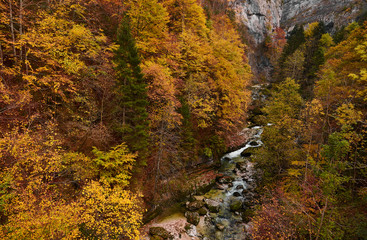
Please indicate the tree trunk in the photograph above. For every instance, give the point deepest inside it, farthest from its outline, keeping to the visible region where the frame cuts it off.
(21, 27)
(1, 57)
(322, 219)
(12, 27)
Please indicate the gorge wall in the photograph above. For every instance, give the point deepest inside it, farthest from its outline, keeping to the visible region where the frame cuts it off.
(261, 16)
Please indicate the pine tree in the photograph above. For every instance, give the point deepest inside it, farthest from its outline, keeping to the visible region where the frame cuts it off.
(295, 40)
(132, 93)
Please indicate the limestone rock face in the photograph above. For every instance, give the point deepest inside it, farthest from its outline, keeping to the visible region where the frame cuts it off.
(258, 15)
(261, 16)
(334, 14)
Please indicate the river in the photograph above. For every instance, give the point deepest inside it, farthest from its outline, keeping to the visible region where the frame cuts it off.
(221, 213)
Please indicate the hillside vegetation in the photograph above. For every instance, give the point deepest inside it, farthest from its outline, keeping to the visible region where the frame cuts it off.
(101, 102)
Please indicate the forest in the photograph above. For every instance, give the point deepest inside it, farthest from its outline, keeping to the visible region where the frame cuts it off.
(106, 107)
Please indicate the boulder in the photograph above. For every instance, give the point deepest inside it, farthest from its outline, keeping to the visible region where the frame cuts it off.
(192, 217)
(219, 226)
(193, 206)
(159, 233)
(212, 205)
(225, 179)
(242, 166)
(237, 194)
(246, 154)
(235, 205)
(222, 225)
(202, 211)
(253, 143)
(199, 198)
(155, 237)
(221, 187)
(227, 159)
(240, 187)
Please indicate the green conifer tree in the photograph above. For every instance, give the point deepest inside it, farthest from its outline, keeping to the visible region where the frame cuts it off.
(132, 94)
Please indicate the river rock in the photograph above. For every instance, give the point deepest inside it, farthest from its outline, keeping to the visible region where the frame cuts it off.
(235, 205)
(193, 206)
(240, 187)
(242, 166)
(222, 225)
(202, 211)
(219, 226)
(192, 217)
(237, 194)
(253, 143)
(221, 186)
(246, 154)
(158, 233)
(225, 179)
(218, 235)
(212, 205)
(199, 198)
(245, 192)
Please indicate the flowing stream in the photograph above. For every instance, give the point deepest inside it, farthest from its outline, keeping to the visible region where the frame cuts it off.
(233, 193)
(223, 212)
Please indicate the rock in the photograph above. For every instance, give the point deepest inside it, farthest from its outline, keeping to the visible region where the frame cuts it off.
(158, 233)
(245, 192)
(213, 216)
(202, 211)
(221, 187)
(240, 187)
(192, 198)
(155, 237)
(193, 206)
(199, 198)
(219, 226)
(192, 217)
(235, 205)
(187, 226)
(227, 159)
(253, 143)
(212, 205)
(246, 153)
(237, 194)
(225, 179)
(242, 166)
(223, 224)
(218, 235)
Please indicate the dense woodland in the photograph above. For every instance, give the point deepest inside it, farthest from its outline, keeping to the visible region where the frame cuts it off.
(314, 159)
(105, 104)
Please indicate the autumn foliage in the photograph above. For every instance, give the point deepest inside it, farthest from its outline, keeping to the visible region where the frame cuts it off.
(103, 100)
(314, 151)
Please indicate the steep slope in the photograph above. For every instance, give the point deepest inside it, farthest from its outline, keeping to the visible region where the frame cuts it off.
(334, 14)
(261, 17)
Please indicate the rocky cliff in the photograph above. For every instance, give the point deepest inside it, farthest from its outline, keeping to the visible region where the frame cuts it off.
(334, 13)
(262, 16)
